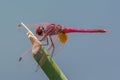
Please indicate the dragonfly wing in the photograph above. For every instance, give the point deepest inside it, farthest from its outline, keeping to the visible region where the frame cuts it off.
(37, 25)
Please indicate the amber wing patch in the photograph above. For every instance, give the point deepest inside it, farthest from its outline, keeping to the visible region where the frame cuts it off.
(62, 37)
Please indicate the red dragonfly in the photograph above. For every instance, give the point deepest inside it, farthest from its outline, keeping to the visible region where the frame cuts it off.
(55, 34)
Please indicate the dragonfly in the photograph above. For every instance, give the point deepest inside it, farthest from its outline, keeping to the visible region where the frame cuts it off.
(51, 34)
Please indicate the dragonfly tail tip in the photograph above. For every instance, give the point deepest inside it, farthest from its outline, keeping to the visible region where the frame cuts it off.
(106, 30)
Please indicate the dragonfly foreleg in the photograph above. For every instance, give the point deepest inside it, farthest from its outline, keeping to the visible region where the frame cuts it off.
(46, 42)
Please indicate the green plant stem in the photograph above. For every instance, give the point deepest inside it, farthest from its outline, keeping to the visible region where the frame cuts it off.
(42, 57)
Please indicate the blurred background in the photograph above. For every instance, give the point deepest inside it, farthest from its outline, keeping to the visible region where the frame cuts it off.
(84, 56)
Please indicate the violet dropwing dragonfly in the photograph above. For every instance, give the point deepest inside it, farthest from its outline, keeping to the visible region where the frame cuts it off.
(52, 34)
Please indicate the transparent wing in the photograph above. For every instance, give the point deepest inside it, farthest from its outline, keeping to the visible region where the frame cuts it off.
(33, 27)
(38, 24)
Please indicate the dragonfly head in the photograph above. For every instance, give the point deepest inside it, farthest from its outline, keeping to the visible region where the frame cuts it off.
(40, 31)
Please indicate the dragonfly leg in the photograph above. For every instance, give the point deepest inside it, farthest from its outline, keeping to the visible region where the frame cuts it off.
(52, 45)
(47, 42)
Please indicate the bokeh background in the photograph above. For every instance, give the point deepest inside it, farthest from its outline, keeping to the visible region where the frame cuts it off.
(84, 57)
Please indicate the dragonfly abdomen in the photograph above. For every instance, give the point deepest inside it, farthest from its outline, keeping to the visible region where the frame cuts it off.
(71, 30)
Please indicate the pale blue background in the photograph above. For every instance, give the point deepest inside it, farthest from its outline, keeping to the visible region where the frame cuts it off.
(84, 57)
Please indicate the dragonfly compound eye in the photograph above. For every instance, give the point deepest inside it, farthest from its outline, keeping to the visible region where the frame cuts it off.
(39, 31)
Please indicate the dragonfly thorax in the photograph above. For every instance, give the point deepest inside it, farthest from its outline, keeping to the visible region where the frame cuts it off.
(51, 29)
(54, 29)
